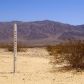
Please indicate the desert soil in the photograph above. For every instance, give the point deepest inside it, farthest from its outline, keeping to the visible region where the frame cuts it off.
(33, 67)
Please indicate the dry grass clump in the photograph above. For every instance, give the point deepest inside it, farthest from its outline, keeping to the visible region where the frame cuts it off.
(71, 52)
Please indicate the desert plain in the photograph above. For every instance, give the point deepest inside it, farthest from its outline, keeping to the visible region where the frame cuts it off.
(33, 67)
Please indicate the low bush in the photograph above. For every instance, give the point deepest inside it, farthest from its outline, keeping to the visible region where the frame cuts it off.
(11, 49)
(70, 52)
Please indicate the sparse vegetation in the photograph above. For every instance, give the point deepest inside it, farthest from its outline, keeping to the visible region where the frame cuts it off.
(19, 48)
(11, 49)
(71, 52)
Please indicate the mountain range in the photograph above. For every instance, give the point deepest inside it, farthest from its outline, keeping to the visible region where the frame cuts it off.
(40, 33)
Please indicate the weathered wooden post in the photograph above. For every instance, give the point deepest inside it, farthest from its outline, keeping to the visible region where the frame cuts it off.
(15, 48)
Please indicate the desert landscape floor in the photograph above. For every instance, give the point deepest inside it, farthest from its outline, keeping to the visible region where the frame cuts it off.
(33, 67)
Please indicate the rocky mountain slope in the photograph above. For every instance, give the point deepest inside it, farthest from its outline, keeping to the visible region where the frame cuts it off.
(39, 33)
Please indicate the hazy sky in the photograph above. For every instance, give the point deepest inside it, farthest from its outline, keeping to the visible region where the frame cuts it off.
(66, 11)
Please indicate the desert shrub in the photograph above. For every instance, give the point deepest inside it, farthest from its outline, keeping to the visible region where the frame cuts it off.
(70, 52)
(11, 49)
(20, 47)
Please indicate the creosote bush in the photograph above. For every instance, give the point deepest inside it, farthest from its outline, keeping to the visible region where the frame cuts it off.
(71, 52)
(11, 49)
(20, 47)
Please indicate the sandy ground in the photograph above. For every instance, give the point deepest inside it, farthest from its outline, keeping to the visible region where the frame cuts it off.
(33, 67)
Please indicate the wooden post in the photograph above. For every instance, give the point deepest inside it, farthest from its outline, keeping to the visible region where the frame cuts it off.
(15, 48)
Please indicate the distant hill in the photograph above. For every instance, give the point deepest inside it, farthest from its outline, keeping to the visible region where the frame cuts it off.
(40, 33)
